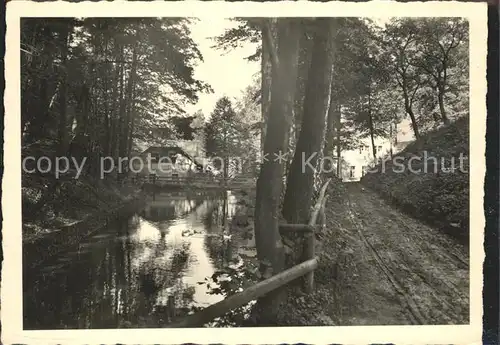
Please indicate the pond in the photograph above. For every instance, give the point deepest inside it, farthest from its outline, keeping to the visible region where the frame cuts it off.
(141, 271)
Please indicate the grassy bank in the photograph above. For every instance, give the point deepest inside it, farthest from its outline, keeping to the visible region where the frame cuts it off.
(50, 204)
(435, 196)
(59, 213)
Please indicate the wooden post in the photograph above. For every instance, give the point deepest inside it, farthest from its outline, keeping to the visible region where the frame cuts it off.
(250, 294)
(171, 307)
(309, 240)
(304, 228)
(308, 255)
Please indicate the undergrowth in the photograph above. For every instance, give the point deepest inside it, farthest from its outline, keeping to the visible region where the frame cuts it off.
(50, 201)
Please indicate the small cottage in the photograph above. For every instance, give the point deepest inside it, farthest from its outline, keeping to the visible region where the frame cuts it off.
(166, 161)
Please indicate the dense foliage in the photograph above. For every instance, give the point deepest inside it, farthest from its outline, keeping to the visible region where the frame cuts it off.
(102, 83)
(93, 87)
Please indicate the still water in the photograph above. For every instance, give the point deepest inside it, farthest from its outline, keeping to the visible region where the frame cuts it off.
(141, 271)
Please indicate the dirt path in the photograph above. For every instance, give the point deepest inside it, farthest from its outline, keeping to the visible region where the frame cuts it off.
(393, 269)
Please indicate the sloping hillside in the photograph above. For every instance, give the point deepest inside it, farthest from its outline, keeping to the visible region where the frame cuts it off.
(430, 178)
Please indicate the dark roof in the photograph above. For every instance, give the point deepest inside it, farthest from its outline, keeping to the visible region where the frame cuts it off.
(402, 144)
(171, 150)
(165, 150)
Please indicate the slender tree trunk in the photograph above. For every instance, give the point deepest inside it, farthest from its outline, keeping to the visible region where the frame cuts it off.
(413, 123)
(106, 137)
(330, 126)
(339, 141)
(116, 105)
(372, 130)
(409, 111)
(442, 109)
(395, 133)
(129, 104)
(435, 116)
(132, 125)
(300, 184)
(391, 138)
(121, 116)
(63, 137)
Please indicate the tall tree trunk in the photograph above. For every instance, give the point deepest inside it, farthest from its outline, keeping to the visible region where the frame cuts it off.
(63, 124)
(132, 123)
(116, 104)
(265, 90)
(300, 184)
(128, 107)
(39, 110)
(270, 249)
(291, 64)
(266, 76)
(121, 115)
(291, 51)
(106, 137)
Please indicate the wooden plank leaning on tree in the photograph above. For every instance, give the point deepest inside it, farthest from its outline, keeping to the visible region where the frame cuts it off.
(250, 294)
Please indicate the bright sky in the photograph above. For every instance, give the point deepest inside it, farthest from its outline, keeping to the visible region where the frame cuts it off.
(227, 73)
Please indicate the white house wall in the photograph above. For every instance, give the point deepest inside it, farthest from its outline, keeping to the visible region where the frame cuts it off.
(360, 158)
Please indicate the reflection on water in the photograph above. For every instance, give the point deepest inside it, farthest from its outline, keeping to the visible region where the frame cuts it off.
(141, 271)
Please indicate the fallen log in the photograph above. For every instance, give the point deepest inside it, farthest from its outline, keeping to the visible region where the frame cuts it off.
(242, 298)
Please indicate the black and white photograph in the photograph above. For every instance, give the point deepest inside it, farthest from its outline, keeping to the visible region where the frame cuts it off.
(247, 167)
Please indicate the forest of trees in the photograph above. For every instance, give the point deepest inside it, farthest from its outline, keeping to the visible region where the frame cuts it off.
(94, 87)
(326, 83)
(99, 85)
(414, 69)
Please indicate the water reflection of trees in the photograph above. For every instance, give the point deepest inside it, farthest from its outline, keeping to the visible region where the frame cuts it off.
(106, 284)
(220, 249)
(165, 209)
(102, 288)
